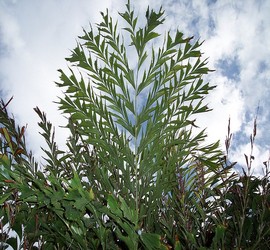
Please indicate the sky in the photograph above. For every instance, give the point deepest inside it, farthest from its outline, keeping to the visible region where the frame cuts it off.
(37, 36)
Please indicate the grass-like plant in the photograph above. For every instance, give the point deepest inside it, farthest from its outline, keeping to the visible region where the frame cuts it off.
(246, 204)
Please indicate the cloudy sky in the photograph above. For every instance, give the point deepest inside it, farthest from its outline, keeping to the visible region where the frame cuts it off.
(36, 36)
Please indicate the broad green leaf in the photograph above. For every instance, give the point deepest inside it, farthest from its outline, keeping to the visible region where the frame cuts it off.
(13, 242)
(150, 240)
(4, 197)
(177, 245)
(128, 212)
(72, 195)
(4, 159)
(72, 214)
(80, 203)
(91, 194)
(219, 233)
(114, 206)
(75, 182)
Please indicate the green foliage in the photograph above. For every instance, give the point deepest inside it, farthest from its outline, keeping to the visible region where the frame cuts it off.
(137, 173)
(247, 213)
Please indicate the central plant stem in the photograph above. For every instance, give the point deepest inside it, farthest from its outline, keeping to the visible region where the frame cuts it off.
(136, 160)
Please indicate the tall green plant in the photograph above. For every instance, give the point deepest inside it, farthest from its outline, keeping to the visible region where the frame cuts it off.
(139, 119)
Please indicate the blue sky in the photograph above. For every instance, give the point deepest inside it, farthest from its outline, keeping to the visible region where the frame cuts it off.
(36, 36)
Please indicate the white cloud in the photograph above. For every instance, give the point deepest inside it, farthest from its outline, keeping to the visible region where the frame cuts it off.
(240, 34)
(227, 102)
(36, 37)
(10, 33)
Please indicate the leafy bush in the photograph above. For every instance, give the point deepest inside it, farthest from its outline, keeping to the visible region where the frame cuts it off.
(137, 173)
